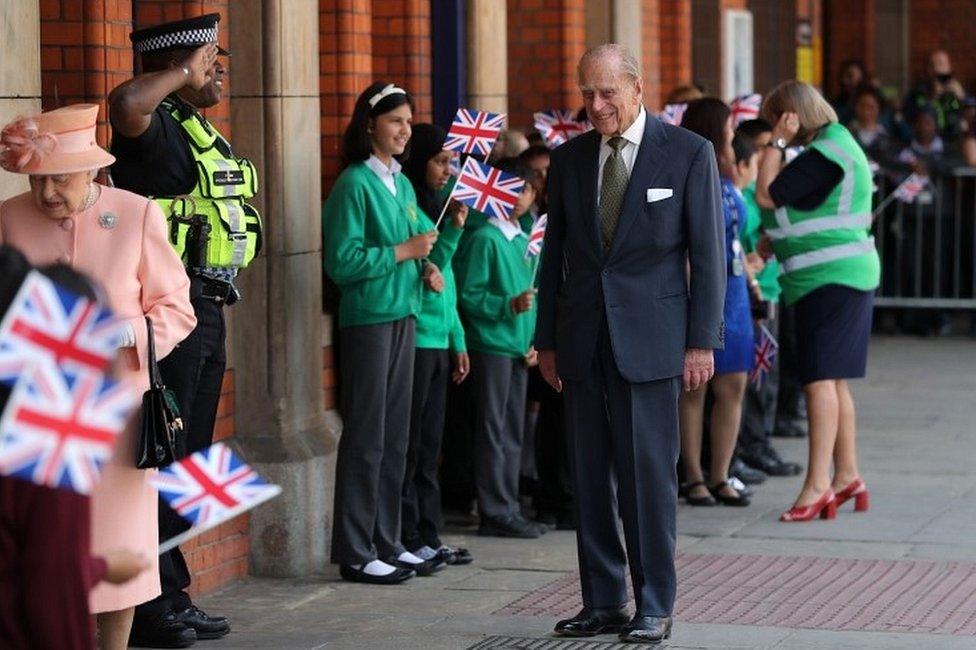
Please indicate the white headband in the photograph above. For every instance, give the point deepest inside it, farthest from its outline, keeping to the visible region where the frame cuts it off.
(391, 89)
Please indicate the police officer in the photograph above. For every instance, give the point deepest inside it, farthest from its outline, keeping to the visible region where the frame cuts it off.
(166, 149)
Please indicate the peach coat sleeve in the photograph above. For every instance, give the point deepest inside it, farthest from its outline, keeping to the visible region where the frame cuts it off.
(165, 290)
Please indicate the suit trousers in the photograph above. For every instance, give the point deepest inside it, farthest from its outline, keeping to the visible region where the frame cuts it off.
(499, 385)
(377, 376)
(625, 444)
(759, 405)
(421, 508)
(194, 371)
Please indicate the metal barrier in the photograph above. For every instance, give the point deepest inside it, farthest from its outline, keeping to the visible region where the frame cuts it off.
(927, 247)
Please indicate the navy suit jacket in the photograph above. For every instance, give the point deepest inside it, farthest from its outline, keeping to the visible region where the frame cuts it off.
(654, 310)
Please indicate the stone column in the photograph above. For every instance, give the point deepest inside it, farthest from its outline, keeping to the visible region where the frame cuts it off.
(487, 55)
(277, 334)
(20, 75)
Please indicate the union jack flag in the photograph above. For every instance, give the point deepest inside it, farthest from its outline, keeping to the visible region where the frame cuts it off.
(487, 189)
(745, 107)
(474, 131)
(558, 127)
(765, 352)
(211, 486)
(454, 165)
(48, 324)
(60, 428)
(536, 236)
(672, 114)
(911, 187)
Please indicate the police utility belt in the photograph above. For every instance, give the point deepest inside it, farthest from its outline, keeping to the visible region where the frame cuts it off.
(213, 226)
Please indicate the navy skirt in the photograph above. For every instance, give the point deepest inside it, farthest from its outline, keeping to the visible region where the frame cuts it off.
(833, 327)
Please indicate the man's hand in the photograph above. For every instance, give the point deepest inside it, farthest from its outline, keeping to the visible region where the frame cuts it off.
(523, 302)
(124, 565)
(699, 368)
(433, 278)
(200, 64)
(547, 366)
(462, 366)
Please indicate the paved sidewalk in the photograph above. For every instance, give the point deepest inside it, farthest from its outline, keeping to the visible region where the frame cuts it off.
(901, 576)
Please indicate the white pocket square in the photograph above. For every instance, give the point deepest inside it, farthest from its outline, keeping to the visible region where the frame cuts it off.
(659, 194)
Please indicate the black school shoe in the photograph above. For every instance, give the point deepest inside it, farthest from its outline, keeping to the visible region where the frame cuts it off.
(425, 568)
(164, 631)
(352, 574)
(206, 627)
(455, 556)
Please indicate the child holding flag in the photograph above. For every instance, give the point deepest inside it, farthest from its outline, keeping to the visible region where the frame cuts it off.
(495, 276)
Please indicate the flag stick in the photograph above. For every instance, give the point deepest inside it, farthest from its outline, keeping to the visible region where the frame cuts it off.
(443, 210)
(888, 199)
(535, 271)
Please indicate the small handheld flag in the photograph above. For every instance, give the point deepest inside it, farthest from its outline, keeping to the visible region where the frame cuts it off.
(48, 324)
(911, 187)
(558, 127)
(765, 352)
(536, 236)
(487, 189)
(59, 429)
(673, 113)
(745, 107)
(208, 488)
(474, 132)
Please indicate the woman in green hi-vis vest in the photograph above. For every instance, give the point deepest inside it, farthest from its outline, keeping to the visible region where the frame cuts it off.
(819, 227)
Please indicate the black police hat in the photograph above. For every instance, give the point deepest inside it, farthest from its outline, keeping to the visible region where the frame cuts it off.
(178, 35)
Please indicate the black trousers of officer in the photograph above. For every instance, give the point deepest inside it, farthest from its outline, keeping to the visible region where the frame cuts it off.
(421, 508)
(625, 444)
(759, 405)
(194, 371)
(377, 376)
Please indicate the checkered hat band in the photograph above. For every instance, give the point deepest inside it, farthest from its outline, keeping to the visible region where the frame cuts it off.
(186, 38)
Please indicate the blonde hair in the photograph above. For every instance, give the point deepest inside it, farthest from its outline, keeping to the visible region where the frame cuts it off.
(629, 66)
(803, 99)
(683, 95)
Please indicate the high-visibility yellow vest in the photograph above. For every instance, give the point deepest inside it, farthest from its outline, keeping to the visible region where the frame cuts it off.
(213, 226)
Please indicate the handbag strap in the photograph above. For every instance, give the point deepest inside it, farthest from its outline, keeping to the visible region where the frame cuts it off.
(155, 380)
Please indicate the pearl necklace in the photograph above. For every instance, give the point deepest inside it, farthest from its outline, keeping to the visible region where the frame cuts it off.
(93, 194)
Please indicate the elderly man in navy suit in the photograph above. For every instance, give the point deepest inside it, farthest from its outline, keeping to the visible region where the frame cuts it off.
(630, 309)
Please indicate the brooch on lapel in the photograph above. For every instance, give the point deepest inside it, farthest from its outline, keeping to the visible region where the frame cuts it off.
(107, 220)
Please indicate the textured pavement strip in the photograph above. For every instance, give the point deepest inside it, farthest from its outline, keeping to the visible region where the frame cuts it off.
(908, 564)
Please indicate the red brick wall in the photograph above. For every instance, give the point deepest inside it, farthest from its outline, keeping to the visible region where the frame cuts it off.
(652, 46)
(851, 31)
(675, 45)
(545, 41)
(401, 49)
(948, 25)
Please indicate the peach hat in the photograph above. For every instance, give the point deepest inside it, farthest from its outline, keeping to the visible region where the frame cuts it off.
(61, 141)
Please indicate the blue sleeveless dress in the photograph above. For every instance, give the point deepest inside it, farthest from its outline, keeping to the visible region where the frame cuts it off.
(738, 355)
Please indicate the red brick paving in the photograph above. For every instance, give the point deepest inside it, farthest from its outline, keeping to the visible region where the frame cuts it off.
(803, 592)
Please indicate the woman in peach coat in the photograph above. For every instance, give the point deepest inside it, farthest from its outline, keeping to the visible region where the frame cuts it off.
(119, 240)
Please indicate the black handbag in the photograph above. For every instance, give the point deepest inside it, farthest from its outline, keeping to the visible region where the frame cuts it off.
(161, 425)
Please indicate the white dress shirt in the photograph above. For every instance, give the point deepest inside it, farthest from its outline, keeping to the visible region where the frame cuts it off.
(633, 135)
(386, 174)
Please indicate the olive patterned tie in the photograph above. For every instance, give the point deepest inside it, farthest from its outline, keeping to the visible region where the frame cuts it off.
(612, 189)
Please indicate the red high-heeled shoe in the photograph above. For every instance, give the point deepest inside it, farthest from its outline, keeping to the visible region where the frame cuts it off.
(856, 490)
(825, 506)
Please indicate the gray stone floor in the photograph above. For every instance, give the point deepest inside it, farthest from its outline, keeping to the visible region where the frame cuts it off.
(917, 418)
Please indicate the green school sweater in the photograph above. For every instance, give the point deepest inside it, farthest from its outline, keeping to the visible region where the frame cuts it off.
(439, 325)
(491, 271)
(362, 222)
(768, 278)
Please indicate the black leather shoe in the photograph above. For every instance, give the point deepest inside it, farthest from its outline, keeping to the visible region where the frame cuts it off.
(769, 462)
(425, 568)
(164, 631)
(746, 474)
(457, 556)
(508, 528)
(592, 621)
(647, 629)
(352, 574)
(206, 627)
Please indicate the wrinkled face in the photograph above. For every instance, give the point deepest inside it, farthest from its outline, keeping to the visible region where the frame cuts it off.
(612, 99)
(212, 92)
(61, 195)
(439, 170)
(390, 132)
(866, 109)
(540, 173)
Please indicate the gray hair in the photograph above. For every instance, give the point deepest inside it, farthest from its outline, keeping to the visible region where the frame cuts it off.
(626, 59)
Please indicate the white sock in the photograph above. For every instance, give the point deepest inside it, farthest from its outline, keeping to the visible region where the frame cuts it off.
(409, 558)
(377, 568)
(426, 553)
